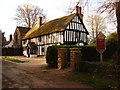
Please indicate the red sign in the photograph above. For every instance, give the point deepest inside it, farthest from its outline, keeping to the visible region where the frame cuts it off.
(100, 44)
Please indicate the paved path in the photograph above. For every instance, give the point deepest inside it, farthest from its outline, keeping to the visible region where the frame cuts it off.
(35, 74)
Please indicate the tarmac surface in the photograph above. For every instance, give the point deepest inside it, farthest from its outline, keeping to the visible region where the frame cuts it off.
(34, 73)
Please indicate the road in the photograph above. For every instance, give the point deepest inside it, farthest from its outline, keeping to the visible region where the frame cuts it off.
(31, 75)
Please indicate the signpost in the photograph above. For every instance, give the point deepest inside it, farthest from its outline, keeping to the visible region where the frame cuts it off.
(100, 45)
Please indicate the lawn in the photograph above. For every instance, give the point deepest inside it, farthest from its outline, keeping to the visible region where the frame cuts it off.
(13, 60)
(102, 78)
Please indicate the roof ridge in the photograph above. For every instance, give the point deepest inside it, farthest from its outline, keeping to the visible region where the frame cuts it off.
(55, 25)
(58, 18)
(62, 17)
(22, 27)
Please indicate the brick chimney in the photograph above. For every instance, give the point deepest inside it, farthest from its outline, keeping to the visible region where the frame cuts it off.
(39, 22)
(79, 11)
(10, 37)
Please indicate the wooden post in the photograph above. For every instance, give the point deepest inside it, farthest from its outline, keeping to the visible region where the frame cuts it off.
(101, 58)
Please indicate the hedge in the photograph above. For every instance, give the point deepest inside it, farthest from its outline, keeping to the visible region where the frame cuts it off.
(12, 51)
(51, 56)
(111, 48)
(88, 52)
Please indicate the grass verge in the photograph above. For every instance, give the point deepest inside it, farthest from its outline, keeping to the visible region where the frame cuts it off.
(13, 60)
(45, 71)
(98, 81)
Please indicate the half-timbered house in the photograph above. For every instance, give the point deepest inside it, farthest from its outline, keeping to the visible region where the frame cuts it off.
(68, 30)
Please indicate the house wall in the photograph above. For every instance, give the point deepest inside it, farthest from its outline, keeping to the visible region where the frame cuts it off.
(4, 41)
(43, 42)
(17, 39)
(75, 33)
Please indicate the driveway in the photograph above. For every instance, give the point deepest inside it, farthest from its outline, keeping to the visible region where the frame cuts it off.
(34, 73)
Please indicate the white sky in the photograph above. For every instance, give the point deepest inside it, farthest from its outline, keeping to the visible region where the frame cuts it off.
(53, 9)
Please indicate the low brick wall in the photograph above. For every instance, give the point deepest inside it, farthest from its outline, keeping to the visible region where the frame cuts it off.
(62, 58)
(74, 58)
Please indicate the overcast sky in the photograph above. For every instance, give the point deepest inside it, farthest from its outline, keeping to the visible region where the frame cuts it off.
(52, 8)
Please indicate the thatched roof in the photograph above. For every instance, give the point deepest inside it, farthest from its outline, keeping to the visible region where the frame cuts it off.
(56, 25)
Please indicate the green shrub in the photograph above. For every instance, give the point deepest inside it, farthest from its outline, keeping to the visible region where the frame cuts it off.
(113, 35)
(111, 48)
(85, 66)
(89, 53)
(51, 56)
(95, 67)
(12, 51)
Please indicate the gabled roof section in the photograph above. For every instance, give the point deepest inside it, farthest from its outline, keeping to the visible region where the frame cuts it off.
(23, 30)
(56, 25)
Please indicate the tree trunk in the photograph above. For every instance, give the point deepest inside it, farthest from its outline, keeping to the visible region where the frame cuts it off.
(118, 29)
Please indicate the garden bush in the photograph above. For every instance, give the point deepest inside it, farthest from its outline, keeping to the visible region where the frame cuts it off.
(111, 48)
(51, 56)
(95, 67)
(89, 52)
(12, 51)
(85, 66)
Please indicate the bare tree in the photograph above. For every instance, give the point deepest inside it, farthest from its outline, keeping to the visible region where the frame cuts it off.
(113, 7)
(27, 15)
(74, 3)
(96, 24)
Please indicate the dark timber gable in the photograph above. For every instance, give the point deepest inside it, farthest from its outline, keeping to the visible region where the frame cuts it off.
(75, 32)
